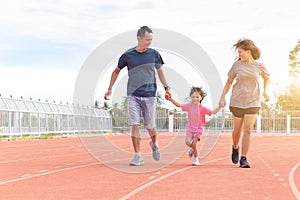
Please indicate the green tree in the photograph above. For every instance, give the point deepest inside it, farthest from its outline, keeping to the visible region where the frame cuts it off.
(115, 105)
(290, 99)
(104, 106)
(294, 62)
(97, 104)
(124, 103)
(159, 99)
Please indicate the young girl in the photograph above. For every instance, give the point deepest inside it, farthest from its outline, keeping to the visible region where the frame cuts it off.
(196, 119)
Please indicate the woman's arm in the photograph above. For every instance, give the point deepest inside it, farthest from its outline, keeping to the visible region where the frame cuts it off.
(266, 87)
(227, 86)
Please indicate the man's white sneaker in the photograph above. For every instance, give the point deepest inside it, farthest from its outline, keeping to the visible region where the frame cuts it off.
(137, 161)
(155, 151)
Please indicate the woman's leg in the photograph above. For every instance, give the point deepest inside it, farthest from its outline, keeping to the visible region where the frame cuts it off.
(236, 135)
(249, 121)
(237, 130)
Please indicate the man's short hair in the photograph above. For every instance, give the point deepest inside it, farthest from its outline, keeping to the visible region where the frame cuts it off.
(141, 32)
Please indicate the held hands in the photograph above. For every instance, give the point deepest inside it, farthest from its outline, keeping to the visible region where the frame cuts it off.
(168, 95)
(222, 103)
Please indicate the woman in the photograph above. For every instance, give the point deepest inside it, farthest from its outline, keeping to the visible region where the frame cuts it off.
(245, 98)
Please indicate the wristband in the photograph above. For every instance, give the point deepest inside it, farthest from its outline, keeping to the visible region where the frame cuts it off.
(167, 88)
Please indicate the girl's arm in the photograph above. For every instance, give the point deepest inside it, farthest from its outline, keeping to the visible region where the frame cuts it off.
(216, 110)
(175, 102)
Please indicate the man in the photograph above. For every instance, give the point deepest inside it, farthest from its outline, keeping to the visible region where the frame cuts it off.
(141, 62)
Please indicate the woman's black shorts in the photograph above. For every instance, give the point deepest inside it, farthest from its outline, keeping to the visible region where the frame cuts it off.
(240, 112)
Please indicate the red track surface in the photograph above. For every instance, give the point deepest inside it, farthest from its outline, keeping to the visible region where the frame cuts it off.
(64, 169)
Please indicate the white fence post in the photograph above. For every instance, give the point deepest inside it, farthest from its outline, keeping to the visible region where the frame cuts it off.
(288, 123)
(171, 122)
(258, 124)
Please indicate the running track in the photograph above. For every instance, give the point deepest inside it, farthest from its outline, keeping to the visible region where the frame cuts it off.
(64, 169)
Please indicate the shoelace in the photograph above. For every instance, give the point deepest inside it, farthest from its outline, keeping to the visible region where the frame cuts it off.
(154, 148)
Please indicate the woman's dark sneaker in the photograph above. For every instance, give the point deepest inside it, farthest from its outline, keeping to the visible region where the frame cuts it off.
(244, 163)
(235, 155)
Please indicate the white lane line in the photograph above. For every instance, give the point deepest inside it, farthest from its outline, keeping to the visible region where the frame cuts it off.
(36, 158)
(25, 175)
(142, 187)
(276, 174)
(43, 170)
(69, 164)
(47, 173)
(292, 181)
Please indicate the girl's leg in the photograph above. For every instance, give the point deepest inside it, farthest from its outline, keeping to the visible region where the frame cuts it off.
(188, 141)
(194, 147)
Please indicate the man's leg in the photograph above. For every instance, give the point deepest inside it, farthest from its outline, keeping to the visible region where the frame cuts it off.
(136, 138)
(133, 121)
(152, 133)
(154, 145)
(136, 141)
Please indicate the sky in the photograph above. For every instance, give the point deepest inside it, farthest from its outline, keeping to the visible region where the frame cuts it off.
(43, 44)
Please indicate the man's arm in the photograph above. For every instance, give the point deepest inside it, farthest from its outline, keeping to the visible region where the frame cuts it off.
(113, 79)
(163, 80)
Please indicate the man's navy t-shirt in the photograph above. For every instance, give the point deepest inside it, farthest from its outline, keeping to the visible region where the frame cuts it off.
(141, 71)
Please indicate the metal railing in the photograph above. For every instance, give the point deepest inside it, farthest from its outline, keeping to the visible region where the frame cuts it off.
(22, 117)
(267, 121)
